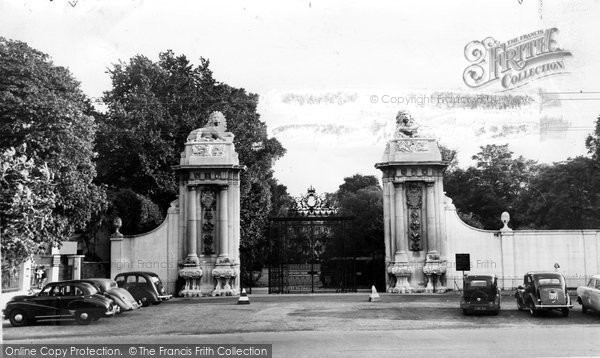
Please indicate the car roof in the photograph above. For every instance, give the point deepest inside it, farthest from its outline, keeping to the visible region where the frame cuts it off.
(69, 282)
(72, 282)
(97, 279)
(137, 273)
(544, 273)
(480, 275)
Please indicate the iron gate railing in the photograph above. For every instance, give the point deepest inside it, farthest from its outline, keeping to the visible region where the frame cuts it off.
(309, 252)
(311, 256)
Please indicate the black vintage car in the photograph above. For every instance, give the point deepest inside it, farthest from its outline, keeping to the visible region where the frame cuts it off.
(480, 294)
(145, 287)
(59, 300)
(543, 291)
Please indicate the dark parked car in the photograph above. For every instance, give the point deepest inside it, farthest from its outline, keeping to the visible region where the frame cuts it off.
(59, 300)
(480, 294)
(145, 287)
(109, 288)
(543, 291)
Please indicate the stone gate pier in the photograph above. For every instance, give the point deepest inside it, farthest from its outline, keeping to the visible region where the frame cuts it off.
(209, 190)
(413, 209)
(198, 244)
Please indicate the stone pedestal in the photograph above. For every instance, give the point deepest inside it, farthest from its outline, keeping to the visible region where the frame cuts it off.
(192, 274)
(402, 272)
(434, 270)
(224, 273)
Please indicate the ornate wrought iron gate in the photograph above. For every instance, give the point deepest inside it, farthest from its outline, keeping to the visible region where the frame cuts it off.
(309, 252)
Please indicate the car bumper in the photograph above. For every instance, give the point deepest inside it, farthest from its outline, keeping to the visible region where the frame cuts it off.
(165, 297)
(541, 306)
(479, 307)
(111, 312)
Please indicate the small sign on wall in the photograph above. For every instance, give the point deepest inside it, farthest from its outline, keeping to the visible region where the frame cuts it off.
(463, 262)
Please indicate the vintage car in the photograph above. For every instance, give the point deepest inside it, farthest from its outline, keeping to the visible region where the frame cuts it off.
(145, 287)
(480, 294)
(109, 288)
(543, 291)
(589, 296)
(59, 300)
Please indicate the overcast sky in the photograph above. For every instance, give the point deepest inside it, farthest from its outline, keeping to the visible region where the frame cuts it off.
(335, 49)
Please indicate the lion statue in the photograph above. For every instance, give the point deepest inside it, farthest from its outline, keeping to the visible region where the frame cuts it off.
(215, 130)
(405, 125)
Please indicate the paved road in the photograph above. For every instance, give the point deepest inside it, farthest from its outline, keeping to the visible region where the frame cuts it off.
(337, 325)
(572, 341)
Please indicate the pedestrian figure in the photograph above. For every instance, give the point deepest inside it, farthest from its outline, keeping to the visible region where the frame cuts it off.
(43, 276)
(38, 276)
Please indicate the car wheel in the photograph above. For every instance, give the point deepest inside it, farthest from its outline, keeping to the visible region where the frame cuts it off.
(465, 312)
(17, 318)
(565, 312)
(84, 317)
(584, 309)
(157, 302)
(519, 305)
(532, 310)
(145, 302)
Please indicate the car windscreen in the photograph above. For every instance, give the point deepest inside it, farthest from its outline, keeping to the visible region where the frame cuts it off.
(547, 280)
(478, 283)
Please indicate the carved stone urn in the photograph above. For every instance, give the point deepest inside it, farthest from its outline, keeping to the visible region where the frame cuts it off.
(224, 273)
(191, 274)
(401, 270)
(117, 223)
(433, 269)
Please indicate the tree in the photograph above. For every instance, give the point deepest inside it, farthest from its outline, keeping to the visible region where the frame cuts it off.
(138, 213)
(592, 142)
(281, 200)
(27, 200)
(449, 156)
(153, 106)
(494, 185)
(361, 197)
(563, 196)
(356, 182)
(44, 112)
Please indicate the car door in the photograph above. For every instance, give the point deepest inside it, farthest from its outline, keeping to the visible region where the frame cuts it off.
(586, 293)
(46, 302)
(529, 289)
(131, 285)
(594, 295)
(70, 293)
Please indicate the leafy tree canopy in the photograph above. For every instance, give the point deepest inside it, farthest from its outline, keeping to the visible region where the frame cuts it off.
(27, 200)
(361, 197)
(592, 142)
(492, 186)
(563, 196)
(44, 112)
